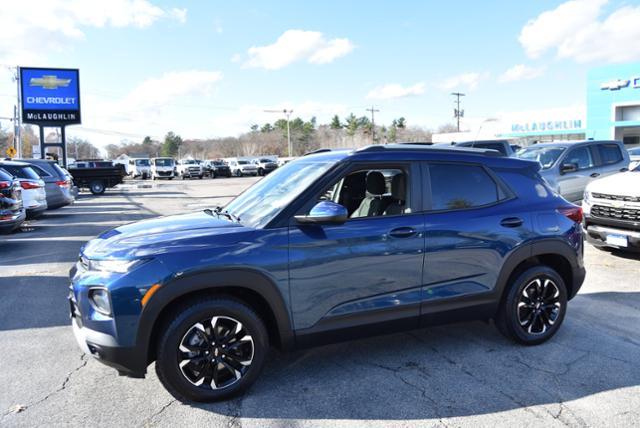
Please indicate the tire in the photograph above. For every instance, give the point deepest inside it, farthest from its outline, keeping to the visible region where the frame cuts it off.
(187, 383)
(238, 173)
(170, 178)
(97, 187)
(534, 307)
(261, 172)
(200, 177)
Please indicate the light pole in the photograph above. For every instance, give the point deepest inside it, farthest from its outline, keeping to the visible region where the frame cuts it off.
(373, 124)
(288, 114)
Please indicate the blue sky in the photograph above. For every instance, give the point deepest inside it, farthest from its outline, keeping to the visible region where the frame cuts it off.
(205, 68)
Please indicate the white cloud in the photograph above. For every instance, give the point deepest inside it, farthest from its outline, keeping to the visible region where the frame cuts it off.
(32, 29)
(465, 80)
(298, 45)
(521, 72)
(576, 30)
(395, 90)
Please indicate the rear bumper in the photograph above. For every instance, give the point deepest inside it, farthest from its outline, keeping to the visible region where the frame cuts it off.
(9, 225)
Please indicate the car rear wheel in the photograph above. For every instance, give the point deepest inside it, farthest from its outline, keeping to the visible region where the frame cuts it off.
(211, 350)
(97, 187)
(534, 307)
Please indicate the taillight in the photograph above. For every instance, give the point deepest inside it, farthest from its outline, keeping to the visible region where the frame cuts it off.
(5, 184)
(27, 185)
(63, 183)
(572, 212)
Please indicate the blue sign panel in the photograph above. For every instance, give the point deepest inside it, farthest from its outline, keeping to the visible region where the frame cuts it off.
(50, 96)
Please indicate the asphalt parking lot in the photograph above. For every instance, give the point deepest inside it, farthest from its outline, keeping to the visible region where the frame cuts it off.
(460, 375)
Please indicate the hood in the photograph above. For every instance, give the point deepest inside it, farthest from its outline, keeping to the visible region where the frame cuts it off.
(622, 184)
(161, 235)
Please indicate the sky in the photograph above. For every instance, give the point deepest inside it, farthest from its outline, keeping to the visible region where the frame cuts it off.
(210, 68)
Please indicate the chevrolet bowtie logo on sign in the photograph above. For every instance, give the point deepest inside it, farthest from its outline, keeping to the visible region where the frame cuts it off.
(50, 96)
(49, 82)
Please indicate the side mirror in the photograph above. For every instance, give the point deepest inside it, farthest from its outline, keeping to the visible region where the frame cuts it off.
(568, 167)
(324, 212)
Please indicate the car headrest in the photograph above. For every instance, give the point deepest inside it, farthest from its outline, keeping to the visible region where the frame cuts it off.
(399, 187)
(375, 183)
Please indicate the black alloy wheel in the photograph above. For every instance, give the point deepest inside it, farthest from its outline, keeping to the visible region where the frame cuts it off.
(212, 350)
(534, 307)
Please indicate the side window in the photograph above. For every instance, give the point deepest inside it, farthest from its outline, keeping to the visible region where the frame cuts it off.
(580, 156)
(372, 192)
(41, 172)
(455, 186)
(609, 153)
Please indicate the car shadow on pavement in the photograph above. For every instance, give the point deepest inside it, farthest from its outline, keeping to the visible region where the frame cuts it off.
(458, 370)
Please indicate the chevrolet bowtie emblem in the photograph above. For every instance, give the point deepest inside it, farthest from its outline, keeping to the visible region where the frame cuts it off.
(49, 82)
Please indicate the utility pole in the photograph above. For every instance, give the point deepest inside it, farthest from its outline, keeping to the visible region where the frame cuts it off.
(457, 113)
(288, 114)
(373, 123)
(18, 125)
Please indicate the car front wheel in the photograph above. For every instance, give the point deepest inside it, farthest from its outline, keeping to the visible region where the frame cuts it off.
(211, 350)
(534, 307)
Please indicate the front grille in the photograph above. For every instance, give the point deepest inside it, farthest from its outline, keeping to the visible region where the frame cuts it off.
(626, 214)
(616, 197)
(164, 172)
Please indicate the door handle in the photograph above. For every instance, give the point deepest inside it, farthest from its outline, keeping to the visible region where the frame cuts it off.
(511, 222)
(402, 232)
(595, 174)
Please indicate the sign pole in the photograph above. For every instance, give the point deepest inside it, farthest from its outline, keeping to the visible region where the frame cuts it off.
(42, 148)
(18, 125)
(64, 146)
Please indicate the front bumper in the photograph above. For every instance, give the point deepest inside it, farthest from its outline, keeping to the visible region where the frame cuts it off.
(597, 235)
(105, 349)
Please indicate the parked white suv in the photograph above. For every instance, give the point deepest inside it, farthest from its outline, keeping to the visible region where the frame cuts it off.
(611, 209)
(162, 168)
(242, 167)
(189, 168)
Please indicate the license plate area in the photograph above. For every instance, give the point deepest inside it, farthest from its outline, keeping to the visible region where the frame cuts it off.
(617, 240)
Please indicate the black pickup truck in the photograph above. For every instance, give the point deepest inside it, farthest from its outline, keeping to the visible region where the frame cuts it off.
(96, 175)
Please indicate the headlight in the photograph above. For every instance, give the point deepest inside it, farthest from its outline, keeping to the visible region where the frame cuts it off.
(99, 298)
(117, 266)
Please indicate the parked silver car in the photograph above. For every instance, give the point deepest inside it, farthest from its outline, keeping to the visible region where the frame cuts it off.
(634, 154)
(568, 166)
(58, 182)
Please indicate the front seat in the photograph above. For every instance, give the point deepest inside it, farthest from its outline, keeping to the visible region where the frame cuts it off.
(372, 205)
(398, 195)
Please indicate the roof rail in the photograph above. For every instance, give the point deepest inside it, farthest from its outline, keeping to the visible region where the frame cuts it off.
(313, 152)
(431, 149)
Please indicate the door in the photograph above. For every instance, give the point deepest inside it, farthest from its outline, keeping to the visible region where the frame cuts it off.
(472, 223)
(369, 269)
(572, 184)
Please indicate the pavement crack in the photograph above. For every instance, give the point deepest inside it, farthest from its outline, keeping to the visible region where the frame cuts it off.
(23, 408)
(235, 414)
(147, 422)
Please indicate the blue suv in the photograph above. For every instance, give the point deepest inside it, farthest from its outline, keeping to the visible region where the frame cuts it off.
(335, 245)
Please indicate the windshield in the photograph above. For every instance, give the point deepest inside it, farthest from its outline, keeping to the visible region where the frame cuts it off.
(242, 162)
(142, 162)
(547, 156)
(262, 202)
(189, 162)
(164, 162)
(218, 163)
(265, 160)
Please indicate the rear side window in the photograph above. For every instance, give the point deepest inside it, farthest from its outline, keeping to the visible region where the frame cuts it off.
(455, 186)
(41, 172)
(609, 153)
(59, 170)
(22, 172)
(5, 176)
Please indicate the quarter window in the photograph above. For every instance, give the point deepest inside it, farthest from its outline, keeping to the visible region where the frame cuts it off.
(456, 187)
(609, 153)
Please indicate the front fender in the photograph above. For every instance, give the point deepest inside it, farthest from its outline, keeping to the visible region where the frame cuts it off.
(242, 278)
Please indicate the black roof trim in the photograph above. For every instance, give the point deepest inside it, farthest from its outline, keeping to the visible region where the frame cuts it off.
(431, 149)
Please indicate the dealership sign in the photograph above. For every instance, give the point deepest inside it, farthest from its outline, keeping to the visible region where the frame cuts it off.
(550, 125)
(617, 84)
(50, 96)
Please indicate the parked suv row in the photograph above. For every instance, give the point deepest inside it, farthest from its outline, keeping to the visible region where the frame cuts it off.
(331, 246)
(12, 213)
